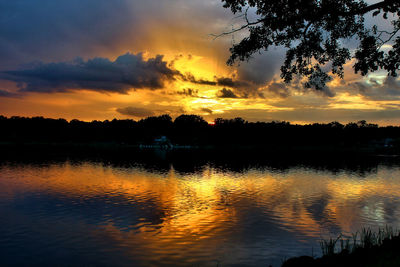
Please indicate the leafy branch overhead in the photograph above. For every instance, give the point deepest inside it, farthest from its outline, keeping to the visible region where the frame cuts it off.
(313, 32)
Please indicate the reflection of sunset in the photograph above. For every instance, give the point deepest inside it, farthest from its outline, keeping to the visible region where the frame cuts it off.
(207, 204)
(170, 217)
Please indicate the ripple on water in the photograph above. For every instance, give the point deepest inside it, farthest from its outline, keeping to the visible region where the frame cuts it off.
(96, 214)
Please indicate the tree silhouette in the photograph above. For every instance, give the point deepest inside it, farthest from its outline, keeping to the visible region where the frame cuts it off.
(193, 130)
(190, 121)
(313, 32)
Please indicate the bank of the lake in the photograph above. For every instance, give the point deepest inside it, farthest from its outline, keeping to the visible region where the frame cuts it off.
(125, 148)
(365, 249)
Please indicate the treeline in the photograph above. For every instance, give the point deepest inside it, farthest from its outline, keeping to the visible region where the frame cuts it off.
(194, 130)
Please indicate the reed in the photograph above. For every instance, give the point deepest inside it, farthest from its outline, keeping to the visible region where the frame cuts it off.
(363, 239)
(365, 248)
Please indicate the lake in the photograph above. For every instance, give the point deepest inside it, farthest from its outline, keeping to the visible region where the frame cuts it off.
(101, 212)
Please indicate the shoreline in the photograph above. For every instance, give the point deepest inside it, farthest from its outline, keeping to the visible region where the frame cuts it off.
(110, 146)
(365, 248)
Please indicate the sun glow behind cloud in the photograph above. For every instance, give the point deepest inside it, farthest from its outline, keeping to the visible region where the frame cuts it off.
(180, 32)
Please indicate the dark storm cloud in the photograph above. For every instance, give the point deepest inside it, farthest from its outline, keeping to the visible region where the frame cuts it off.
(226, 93)
(127, 72)
(135, 111)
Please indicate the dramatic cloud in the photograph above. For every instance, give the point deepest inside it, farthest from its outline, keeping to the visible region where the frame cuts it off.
(192, 75)
(226, 93)
(135, 112)
(49, 30)
(241, 88)
(374, 89)
(127, 72)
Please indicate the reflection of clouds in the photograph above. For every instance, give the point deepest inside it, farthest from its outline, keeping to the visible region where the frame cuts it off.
(176, 215)
(373, 211)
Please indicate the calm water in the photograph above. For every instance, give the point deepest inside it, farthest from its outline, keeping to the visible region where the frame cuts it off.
(83, 212)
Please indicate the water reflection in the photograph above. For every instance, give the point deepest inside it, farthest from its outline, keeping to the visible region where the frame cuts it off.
(78, 212)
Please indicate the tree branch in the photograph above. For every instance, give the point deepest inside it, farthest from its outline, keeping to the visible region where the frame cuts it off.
(238, 29)
(379, 5)
(362, 11)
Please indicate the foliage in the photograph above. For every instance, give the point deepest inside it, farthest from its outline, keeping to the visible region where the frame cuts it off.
(194, 130)
(190, 121)
(313, 32)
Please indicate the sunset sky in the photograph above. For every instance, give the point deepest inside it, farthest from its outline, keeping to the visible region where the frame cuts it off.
(102, 59)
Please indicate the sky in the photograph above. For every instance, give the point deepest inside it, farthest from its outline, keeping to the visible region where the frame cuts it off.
(130, 59)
